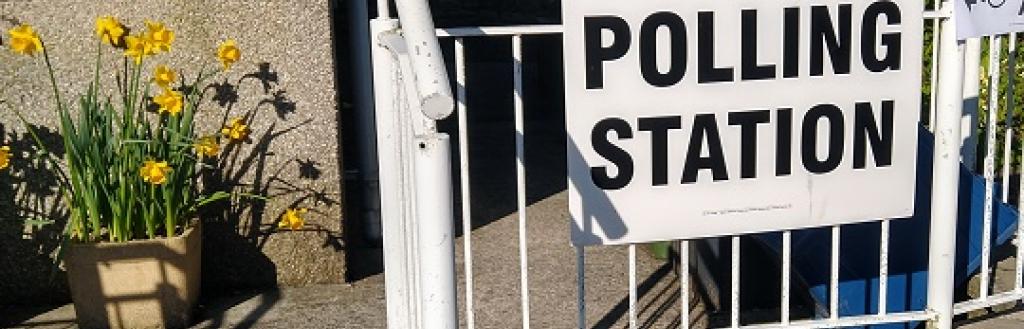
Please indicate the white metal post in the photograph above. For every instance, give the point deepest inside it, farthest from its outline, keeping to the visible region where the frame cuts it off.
(946, 176)
(434, 232)
(394, 217)
(383, 9)
(992, 115)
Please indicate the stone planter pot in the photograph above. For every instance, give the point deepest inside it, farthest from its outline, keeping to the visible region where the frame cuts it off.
(138, 284)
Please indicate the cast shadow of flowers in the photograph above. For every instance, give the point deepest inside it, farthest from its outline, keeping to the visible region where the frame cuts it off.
(253, 171)
(28, 194)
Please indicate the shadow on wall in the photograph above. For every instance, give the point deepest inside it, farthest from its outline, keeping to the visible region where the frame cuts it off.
(26, 250)
(235, 234)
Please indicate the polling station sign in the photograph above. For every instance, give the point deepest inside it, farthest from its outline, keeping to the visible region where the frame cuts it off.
(975, 18)
(702, 118)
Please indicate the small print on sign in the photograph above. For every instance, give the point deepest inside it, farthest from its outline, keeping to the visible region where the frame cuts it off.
(976, 18)
(703, 118)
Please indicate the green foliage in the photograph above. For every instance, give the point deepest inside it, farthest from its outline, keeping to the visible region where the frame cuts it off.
(1008, 116)
(106, 144)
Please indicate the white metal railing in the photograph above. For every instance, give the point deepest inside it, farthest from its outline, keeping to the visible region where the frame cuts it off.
(943, 119)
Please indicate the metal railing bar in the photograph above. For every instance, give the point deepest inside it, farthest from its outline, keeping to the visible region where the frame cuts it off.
(1019, 282)
(467, 223)
(934, 76)
(883, 268)
(383, 9)
(990, 145)
(524, 282)
(833, 295)
(936, 14)
(632, 286)
(684, 284)
(735, 283)
(849, 321)
(477, 31)
(993, 300)
(787, 267)
(1011, 60)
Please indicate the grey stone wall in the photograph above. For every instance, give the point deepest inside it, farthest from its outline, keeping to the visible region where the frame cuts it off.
(286, 77)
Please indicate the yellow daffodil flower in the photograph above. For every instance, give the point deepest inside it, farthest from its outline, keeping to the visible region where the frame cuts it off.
(164, 76)
(207, 146)
(110, 31)
(228, 53)
(236, 130)
(292, 219)
(137, 47)
(154, 172)
(24, 40)
(159, 36)
(5, 157)
(170, 102)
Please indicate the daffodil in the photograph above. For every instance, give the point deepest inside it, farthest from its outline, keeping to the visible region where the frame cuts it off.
(24, 40)
(292, 219)
(137, 47)
(170, 102)
(110, 31)
(154, 172)
(5, 157)
(159, 36)
(207, 146)
(164, 76)
(228, 53)
(236, 130)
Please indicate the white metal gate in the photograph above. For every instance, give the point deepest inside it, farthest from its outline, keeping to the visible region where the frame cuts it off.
(416, 185)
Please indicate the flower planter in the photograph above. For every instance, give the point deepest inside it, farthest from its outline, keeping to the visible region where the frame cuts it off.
(138, 284)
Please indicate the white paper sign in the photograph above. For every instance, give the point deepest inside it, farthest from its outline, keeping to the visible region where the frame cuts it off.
(702, 118)
(975, 18)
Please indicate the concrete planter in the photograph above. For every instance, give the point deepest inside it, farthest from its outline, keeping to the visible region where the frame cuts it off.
(138, 284)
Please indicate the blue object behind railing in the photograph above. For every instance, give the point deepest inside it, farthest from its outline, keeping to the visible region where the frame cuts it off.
(908, 248)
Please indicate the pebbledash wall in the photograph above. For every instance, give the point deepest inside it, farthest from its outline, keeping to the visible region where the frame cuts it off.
(286, 75)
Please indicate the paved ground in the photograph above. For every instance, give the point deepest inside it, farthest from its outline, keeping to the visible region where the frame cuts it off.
(1001, 316)
(552, 287)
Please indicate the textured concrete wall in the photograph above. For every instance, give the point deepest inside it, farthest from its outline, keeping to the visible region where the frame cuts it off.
(286, 77)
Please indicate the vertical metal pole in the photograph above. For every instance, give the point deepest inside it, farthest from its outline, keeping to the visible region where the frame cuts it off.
(971, 89)
(1019, 281)
(833, 300)
(434, 232)
(946, 174)
(734, 314)
(524, 269)
(362, 66)
(632, 286)
(883, 269)
(467, 213)
(396, 238)
(787, 266)
(1011, 76)
(684, 284)
(935, 70)
(410, 123)
(992, 114)
(383, 9)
